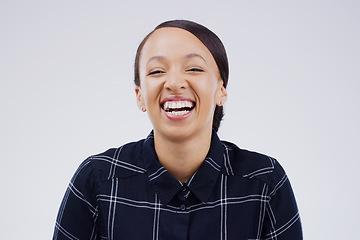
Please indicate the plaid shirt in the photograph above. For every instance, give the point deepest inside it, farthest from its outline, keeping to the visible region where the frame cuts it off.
(125, 193)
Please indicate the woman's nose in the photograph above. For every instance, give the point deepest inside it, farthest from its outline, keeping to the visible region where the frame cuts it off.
(175, 82)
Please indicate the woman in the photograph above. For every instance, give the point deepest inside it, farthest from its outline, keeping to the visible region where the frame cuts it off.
(181, 182)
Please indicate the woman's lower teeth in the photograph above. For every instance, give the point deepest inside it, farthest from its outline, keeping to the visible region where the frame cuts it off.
(179, 113)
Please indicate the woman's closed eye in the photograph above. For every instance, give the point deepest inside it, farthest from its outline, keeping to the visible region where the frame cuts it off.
(195, 70)
(155, 72)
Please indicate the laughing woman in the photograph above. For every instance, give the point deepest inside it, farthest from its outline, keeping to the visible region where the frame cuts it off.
(181, 182)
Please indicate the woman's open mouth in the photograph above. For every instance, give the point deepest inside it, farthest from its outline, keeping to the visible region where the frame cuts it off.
(177, 109)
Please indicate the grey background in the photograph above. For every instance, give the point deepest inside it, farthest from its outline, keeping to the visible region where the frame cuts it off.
(66, 92)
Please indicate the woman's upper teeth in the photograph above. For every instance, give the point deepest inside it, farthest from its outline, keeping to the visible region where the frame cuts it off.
(176, 105)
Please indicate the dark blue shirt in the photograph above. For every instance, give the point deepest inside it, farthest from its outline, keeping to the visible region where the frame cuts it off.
(125, 193)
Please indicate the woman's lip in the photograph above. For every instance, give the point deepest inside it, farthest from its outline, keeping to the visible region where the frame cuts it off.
(175, 117)
(175, 98)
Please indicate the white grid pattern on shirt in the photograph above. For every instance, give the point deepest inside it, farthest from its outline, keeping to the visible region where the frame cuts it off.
(157, 207)
(262, 170)
(113, 165)
(273, 235)
(118, 163)
(262, 210)
(223, 205)
(63, 204)
(157, 173)
(112, 207)
(279, 185)
(212, 163)
(197, 207)
(66, 233)
(156, 218)
(228, 167)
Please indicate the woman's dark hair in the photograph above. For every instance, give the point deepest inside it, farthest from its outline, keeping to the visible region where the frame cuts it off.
(213, 44)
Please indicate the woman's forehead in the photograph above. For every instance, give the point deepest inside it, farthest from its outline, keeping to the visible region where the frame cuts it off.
(173, 41)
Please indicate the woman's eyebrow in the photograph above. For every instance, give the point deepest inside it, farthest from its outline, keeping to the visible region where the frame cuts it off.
(156, 58)
(194, 55)
(187, 56)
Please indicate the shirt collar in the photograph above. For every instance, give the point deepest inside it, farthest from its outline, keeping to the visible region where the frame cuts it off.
(201, 184)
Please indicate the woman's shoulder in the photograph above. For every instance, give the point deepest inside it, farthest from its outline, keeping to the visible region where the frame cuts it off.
(121, 162)
(133, 149)
(253, 165)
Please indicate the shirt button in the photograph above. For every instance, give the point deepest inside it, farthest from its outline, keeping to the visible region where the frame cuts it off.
(183, 188)
(182, 207)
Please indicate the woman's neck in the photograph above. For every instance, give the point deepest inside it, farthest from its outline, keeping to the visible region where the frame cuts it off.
(182, 158)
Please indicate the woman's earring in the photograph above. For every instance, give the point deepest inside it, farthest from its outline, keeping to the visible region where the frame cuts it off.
(142, 108)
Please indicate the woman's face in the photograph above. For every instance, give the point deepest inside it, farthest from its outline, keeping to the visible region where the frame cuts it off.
(179, 84)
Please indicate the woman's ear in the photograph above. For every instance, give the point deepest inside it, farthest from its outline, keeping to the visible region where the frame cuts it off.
(221, 95)
(140, 99)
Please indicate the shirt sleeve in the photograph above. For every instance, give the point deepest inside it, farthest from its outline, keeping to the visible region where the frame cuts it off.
(282, 220)
(78, 211)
